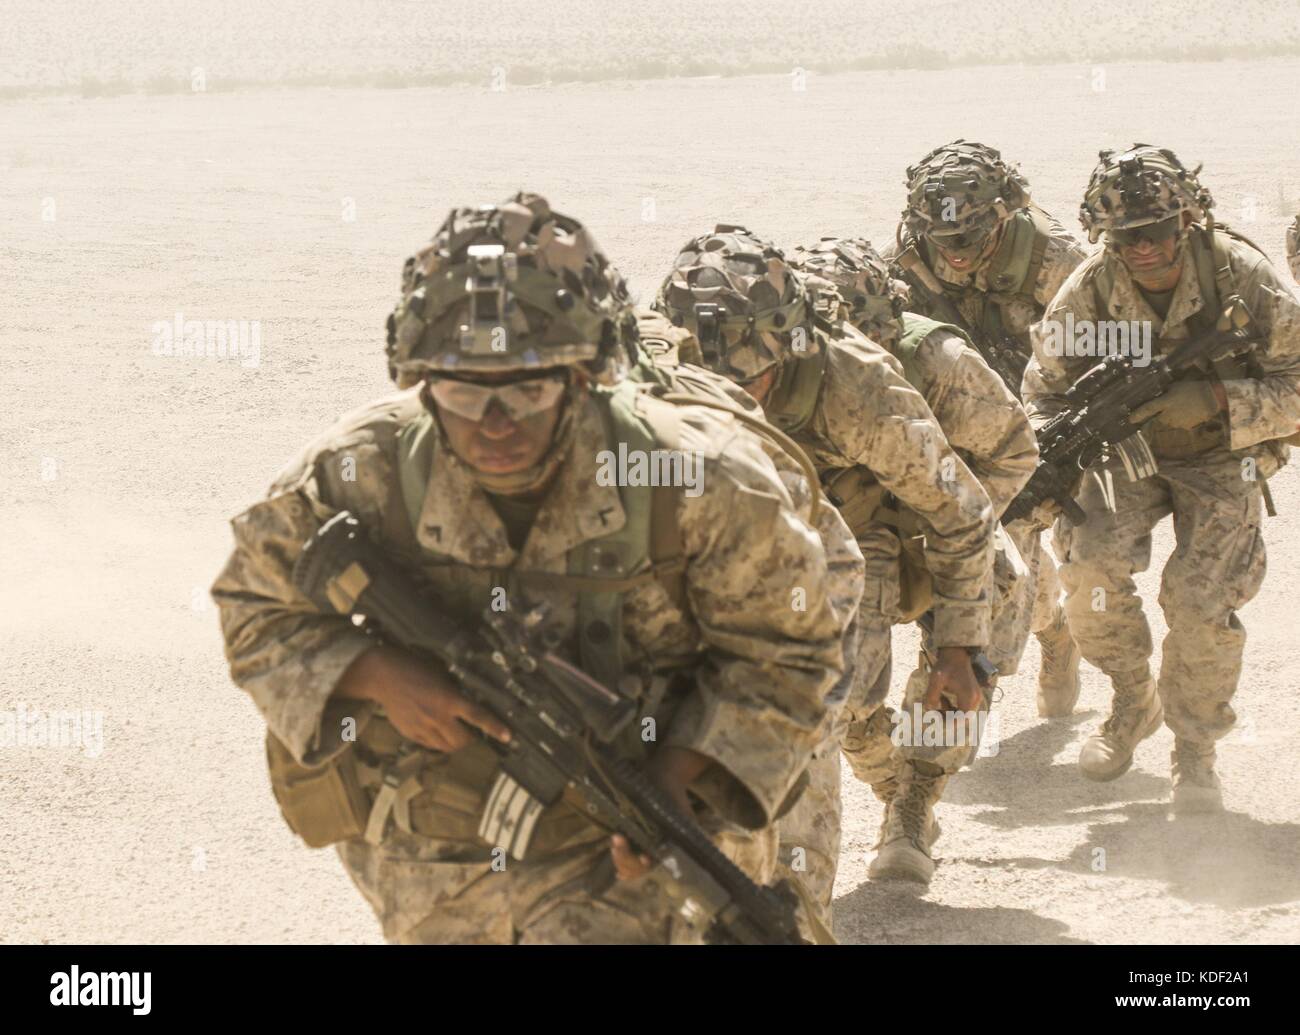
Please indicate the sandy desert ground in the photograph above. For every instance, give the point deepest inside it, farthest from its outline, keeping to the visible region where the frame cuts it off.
(296, 208)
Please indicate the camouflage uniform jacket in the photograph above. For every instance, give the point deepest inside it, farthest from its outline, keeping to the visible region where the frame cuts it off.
(983, 421)
(867, 415)
(1259, 408)
(761, 664)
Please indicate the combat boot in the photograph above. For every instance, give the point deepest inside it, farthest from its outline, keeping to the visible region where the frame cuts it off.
(1058, 672)
(1196, 787)
(1135, 714)
(909, 828)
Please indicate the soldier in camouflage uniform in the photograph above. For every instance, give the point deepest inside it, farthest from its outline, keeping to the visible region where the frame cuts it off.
(976, 252)
(1215, 438)
(988, 429)
(845, 401)
(1293, 248)
(484, 480)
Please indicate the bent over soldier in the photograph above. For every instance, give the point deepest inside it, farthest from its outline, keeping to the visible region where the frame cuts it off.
(844, 400)
(1214, 437)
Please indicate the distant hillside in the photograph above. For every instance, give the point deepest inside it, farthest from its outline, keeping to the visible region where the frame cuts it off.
(155, 45)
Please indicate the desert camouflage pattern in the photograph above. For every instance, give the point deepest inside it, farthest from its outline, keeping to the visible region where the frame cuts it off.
(987, 426)
(872, 299)
(970, 293)
(982, 419)
(1293, 248)
(1138, 186)
(561, 301)
(1214, 497)
(762, 666)
(810, 832)
(867, 415)
(962, 187)
(764, 301)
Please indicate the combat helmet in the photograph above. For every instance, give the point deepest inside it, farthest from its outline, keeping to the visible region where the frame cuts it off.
(737, 294)
(514, 286)
(960, 193)
(1139, 186)
(873, 301)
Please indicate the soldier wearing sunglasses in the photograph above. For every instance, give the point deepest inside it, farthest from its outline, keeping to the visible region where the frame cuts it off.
(977, 253)
(717, 613)
(1215, 436)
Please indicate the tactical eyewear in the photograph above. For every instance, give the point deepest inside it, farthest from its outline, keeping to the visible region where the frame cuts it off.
(519, 399)
(1156, 233)
(963, 242)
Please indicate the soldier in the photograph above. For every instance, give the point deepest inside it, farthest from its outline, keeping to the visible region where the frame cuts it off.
(1214, 436)
(1293, 248)
(845, 401)
(987, 428)
(977, 253)
(483, 478)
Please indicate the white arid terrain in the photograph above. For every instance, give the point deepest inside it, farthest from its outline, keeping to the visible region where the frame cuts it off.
(295, 208)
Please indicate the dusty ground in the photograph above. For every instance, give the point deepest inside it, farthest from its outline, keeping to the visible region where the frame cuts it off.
(120, 467)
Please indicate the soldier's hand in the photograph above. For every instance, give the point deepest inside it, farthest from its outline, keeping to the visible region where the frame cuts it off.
(1186, 405)
(953, 678)
(628, 864)
(673, 769)
(421, 701)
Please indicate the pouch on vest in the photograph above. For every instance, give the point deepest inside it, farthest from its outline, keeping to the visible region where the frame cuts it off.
(915, 585)
(322, 804)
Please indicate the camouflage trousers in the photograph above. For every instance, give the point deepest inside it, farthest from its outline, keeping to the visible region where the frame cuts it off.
(1045, 582)
(868, 729)
(445, 891)
(1216, 567)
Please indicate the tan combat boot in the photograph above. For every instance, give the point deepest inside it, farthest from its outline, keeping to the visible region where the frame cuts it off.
(1196, 787)
(909, 828)
(1135, 714)
(1058, 672)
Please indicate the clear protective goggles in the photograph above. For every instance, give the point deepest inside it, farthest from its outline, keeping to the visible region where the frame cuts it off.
(519, 399)
(1156, 233)
(964, 245)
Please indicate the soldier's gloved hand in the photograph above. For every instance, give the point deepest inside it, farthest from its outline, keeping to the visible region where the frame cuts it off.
(421, 701)
(952, 677)
(673, 769)
(1185, 405)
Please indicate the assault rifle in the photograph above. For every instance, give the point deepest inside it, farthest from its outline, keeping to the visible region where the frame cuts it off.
(562, 724)
(1098, 411)
(1006, 356)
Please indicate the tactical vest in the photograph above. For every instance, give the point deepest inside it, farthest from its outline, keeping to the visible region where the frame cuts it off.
(861, 500)
(1214, 279)
(326, 804)
(1012, 273)
(600, 570)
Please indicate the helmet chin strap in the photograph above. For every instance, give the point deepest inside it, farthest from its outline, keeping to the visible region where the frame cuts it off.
(530, 479)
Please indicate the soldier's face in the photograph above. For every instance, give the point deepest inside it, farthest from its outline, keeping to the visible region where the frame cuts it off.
(965, 252)
(498, 443)
(1148, 259)
(1148, 252)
